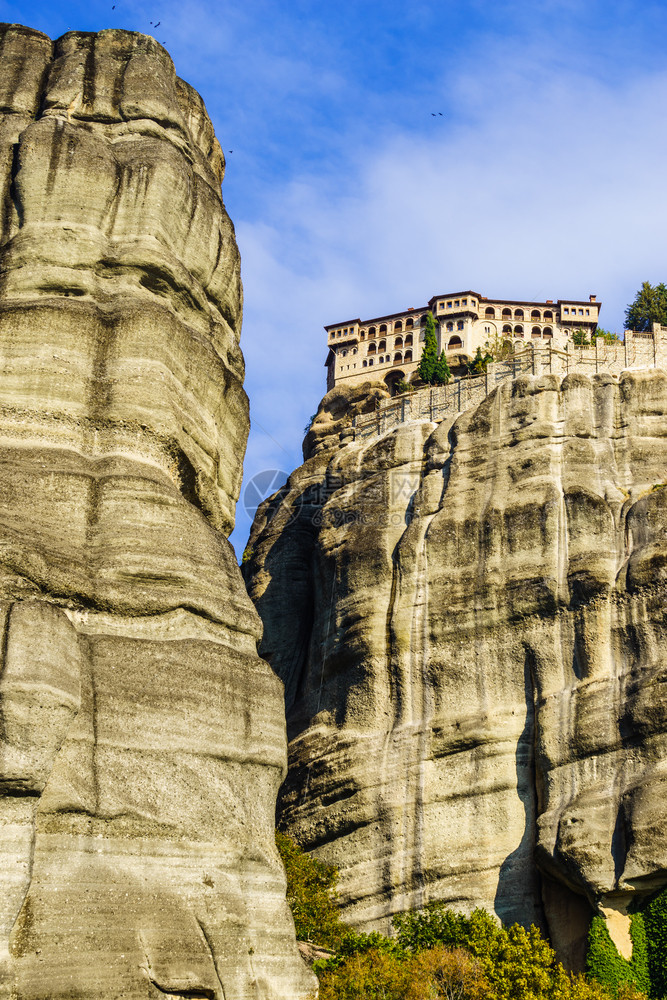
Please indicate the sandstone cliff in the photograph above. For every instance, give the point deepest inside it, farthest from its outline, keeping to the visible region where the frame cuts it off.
(142, 741)
(469, 619)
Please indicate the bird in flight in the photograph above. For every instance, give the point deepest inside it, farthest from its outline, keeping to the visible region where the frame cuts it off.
(157, 25)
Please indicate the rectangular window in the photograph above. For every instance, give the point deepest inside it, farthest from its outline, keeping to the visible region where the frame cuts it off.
(456, 302)
(449, 305)
(464, 302)
(566, 311)
(581, 312)
(441, 305)
(588, 312)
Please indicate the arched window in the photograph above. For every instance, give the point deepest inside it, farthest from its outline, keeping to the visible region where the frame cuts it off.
(398, 357)
(547, 332)
(518, 314)
(398, 325)
(507, 313)
(408, 356)
(383, 328)
(370, 362)
(459, 324)
(408, 340)
(548, 314)
(398, 342)
(490, 313)
(535, 332)
(450, 327)
(382, 346)
(409, 323)
(371, 331)
(365, 363)
(535, 315)
(422, 321)
(507, 328)
(454, 343)
(372, 348)
(362, 335)
(518, 331)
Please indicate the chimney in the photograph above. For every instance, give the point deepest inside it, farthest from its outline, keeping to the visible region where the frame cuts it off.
(591, 298)
(550, 302)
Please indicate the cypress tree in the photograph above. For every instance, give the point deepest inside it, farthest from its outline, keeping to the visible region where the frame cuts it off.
(433, 368)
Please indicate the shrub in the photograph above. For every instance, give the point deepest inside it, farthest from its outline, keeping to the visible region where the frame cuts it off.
(607, 965)
(517, 963)
(655, 923)
(438, 954)
(311, 887)
(375, 973)
(447, 973)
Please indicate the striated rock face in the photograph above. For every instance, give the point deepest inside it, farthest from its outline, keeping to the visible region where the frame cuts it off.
(142, 741)
(470, 623)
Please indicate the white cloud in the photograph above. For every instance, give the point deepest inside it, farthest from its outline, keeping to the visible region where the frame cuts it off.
(550, 190)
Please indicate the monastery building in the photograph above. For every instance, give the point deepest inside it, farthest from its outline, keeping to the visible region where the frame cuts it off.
(389, 347)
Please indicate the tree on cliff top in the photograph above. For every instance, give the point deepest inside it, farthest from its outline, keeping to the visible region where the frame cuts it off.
(433, 368)
(649, 307)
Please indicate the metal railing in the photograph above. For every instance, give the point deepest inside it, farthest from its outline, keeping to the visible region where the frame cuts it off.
(436, 403)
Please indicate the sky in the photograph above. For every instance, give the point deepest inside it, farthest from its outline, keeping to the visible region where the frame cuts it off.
(379, 153)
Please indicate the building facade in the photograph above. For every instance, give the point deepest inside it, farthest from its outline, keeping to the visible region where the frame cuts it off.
(388, 348)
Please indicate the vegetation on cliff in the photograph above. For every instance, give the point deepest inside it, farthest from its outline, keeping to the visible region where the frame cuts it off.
(649, 306)
(437, 953)
(433, 367)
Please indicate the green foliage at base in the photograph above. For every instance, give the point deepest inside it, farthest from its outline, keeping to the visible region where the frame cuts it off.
(607, 965)
(517, 963)
(437, 954)
(311, 887)
(655, 923)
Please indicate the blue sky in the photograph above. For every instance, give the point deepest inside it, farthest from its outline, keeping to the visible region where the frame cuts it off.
(544, 177)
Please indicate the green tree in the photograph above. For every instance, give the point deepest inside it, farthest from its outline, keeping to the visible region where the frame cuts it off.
(433, 368)
(499, 346)
(580, 339)
(606, 335)
(516, 963)
(479, 363)
(442, 374)
(648, 307)
(311, 889)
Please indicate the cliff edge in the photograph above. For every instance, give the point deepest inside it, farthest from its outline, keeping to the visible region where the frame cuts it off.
(469, 618)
